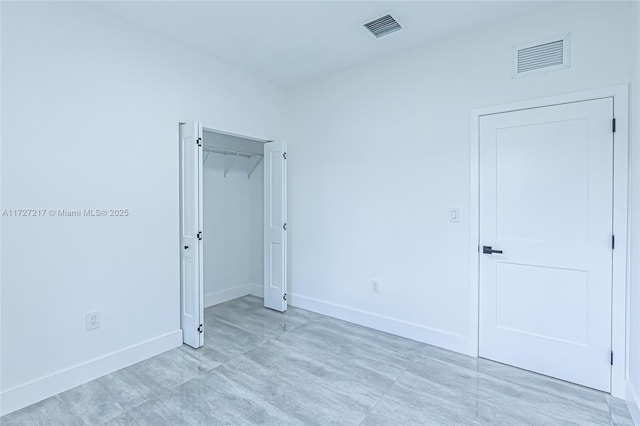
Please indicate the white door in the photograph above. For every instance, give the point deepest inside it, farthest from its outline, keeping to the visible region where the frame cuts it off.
(546, 178)
(275, 226)
(191, 267)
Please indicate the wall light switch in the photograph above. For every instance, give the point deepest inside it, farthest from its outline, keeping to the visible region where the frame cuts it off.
(93, 320)
(454, 215)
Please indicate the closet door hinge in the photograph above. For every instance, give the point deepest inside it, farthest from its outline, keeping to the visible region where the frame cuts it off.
(613, 125)
(284, 296)
(611, 357)
(613, 242)
(200, 328)
(199, 141)
(284, 155)
(200, 235)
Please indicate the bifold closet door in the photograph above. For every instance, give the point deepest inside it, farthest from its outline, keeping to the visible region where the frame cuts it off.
(191, 262)
(275, 226)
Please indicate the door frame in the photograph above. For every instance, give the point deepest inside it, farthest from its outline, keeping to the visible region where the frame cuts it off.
(264, 141)
(201, 260)
(620, 273)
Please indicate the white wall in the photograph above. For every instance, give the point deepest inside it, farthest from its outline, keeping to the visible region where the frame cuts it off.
(633, 386)
(379, 153)
(227, 234)
(90, 112)
(233, 229)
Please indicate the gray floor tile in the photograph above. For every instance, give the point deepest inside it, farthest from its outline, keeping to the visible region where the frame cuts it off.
(261, 322)
(156, 412)
(93, 402)
(297, 383)
(213, 398)
(127, 389)
(50, 412)
(374, 362)
(125, 419)
(168, 370)
(223, 342)
(264, 367)
(403, 405)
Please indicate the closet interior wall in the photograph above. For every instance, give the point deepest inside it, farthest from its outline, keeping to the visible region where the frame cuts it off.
(233, 218)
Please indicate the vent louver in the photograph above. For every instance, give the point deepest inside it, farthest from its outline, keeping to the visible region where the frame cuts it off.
(549, 55)
(382, 26)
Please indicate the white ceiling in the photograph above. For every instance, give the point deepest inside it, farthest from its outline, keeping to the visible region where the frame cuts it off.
(288, 42)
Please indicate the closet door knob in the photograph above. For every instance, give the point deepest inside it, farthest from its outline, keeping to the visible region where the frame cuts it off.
(186, 247)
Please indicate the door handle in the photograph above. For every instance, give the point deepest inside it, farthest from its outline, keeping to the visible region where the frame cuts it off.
(490, 250)
(186, 247)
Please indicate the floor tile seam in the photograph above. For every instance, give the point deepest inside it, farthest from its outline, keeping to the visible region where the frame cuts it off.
(108, 392)
(318, 381)
(552, 380)
(509, 382)
(370, 345)
(240, 327)
(270, 338)
(502, 395)
(386, 392)
(261, 397)
(303, 318)
(335, 364)
(239, 354)
(564, 397)
(305, 357)
(292, 328)
(395, 382)
(160, 390)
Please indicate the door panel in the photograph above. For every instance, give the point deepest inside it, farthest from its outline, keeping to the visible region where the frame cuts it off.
(547, 173)
(191, 267)
(522, 290)
(546, 179)
(275, 218)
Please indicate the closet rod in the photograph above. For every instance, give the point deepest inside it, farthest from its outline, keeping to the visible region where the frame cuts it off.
(231, 152)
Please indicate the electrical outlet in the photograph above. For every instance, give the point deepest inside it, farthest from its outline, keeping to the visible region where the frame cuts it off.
(375, 286)
(93, 320)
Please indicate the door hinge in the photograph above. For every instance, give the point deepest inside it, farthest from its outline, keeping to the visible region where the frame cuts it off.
(199, 141)
(611, 357)
(284, 155)
(284, 226)
(284, 296)
(200, 235)
(200, 328)
(613, 242)
(613, 125)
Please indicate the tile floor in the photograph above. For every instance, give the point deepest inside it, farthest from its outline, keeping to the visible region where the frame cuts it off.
(262, 367)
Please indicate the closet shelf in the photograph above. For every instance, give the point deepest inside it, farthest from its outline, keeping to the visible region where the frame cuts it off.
(233, 155)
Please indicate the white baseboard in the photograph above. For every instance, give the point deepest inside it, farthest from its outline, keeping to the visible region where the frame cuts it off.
(36, 390)
(633, 403)
(431, 336)
(221, 296)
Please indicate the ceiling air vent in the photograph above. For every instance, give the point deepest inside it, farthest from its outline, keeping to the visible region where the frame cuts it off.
(382, 26)
(547, 55)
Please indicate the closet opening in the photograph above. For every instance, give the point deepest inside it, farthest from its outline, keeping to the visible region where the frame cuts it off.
(233, 217)
(233, 223)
